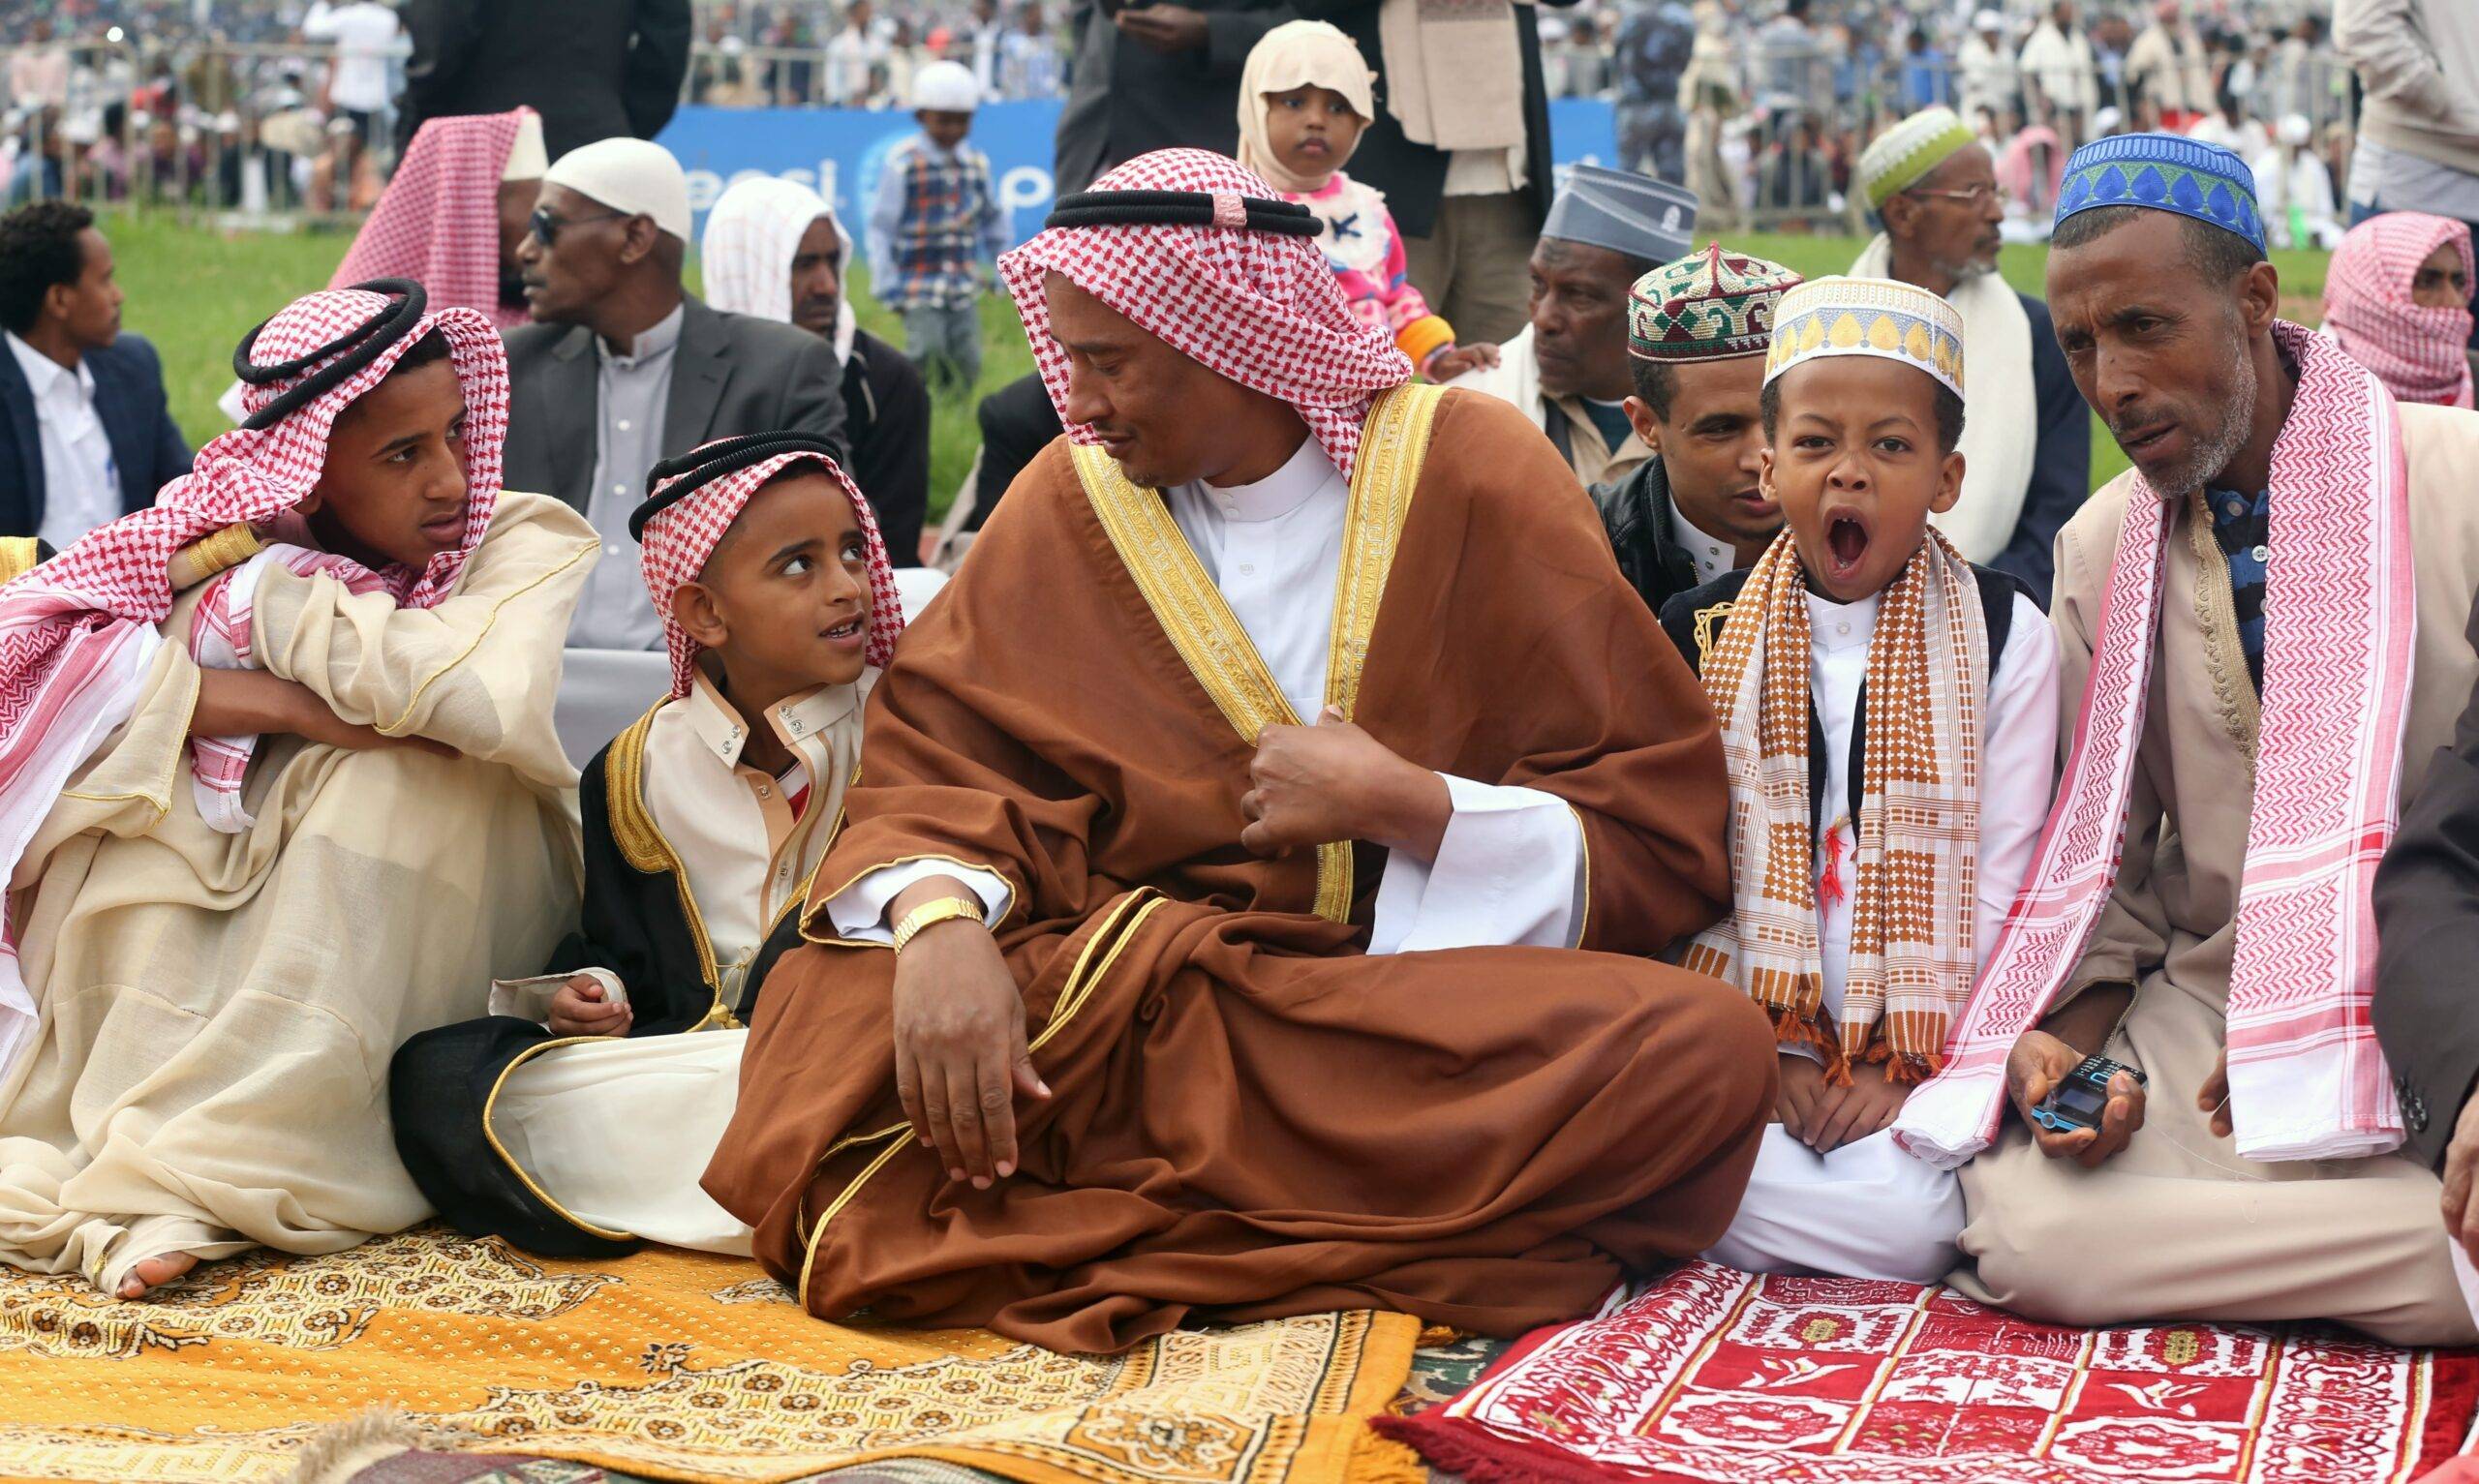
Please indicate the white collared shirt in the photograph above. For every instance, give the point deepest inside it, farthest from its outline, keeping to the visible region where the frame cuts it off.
(2017, 773)
(1510, 867)
(632, 393)
(81, 481)
(1710, 556)
(748, 855)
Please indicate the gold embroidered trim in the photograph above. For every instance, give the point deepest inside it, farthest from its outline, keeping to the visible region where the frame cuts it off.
(642, 844)
(1217, 652)
(395, 728)
(1708, 628)
(19, 555)
(539, 1193)
(2224, 652)
(1072, 995)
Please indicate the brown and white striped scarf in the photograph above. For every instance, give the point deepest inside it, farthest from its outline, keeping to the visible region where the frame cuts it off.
(1917, 834)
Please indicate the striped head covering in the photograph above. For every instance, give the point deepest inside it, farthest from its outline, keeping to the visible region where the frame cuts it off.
(1899, 158)
(2418, 352)
(2165, 172)
(752, 234)
(1880, 317)
(692, 500)
(438, 222)
(1255, 305)
(1709, 306)
(79, 632)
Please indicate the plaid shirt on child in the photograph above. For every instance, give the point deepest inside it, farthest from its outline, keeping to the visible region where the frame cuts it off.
(938, 217)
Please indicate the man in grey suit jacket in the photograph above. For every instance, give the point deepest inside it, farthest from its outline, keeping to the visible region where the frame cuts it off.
(622, 368)
(2426, 969)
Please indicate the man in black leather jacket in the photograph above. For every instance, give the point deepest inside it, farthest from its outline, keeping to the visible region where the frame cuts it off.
(1695, 338)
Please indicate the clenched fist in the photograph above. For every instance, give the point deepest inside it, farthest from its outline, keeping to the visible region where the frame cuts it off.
(1313, 785)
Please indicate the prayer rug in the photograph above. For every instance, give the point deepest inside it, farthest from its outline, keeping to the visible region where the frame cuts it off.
(662, 1364)
(1712, 1375)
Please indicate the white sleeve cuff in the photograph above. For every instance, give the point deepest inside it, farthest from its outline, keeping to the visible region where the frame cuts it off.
(530, 999)
(859, 911)
(1508, 873)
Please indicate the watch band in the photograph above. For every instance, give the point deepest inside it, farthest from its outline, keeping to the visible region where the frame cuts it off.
(930, 914)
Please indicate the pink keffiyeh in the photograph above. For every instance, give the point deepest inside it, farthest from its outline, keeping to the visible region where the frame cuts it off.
(79, 632)
(676, 540)
(2421, 353)
(2306, 1080)
(1259, 307)
(438, 222)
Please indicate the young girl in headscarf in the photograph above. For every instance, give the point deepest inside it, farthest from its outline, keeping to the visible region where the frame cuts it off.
(1305, 100)
(579, 1115)
(2397, 299)
(278, 788)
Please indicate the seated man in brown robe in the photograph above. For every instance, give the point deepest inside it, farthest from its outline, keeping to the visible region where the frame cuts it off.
(1151, 1047)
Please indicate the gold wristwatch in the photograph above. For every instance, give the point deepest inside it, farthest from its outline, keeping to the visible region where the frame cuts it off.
(930, 914)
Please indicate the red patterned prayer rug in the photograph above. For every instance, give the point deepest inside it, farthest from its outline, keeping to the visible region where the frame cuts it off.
(1719, 1376)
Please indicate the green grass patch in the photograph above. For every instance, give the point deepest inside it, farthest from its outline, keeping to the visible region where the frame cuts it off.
(196, 291)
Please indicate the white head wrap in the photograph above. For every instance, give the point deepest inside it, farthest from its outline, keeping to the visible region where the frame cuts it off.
(752, 234)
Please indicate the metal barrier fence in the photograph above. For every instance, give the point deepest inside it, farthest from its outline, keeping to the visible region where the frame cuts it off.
(732, 74)
(240, 131)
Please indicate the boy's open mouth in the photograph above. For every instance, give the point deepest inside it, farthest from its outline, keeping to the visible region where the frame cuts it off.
(848, 629)
(1846, 541)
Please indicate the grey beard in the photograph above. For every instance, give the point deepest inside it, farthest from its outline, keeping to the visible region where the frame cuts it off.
(2212, 454)
(1969, 269)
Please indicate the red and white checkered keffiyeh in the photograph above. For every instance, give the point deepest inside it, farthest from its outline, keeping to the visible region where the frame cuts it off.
(79, 632)
(2420, 354)
(2306, 1080)
(438, 222)
(680, 537)
(1259, 307)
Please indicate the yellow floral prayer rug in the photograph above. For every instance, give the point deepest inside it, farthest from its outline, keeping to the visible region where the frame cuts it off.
(664, 1364)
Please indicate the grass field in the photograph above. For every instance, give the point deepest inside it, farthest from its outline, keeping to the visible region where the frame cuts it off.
(196, 291)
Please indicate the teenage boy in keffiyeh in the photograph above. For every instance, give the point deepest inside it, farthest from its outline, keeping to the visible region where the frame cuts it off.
(269, 736)
(1111, 956)
(574, 1120)
(1888, 717)
(2263, 624)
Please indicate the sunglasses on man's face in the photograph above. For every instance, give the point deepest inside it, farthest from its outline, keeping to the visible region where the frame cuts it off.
(546, 227)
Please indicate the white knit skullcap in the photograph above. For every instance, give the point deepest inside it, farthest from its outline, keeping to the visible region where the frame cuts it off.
(632, 175)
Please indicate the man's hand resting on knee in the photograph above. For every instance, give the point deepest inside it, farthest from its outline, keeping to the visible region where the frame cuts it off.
(961, 1060)
(2461, 1182)
(1312, 786)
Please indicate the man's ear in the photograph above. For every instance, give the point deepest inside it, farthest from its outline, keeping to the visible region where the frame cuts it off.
(1640, 416)
(1899, 214)
(2260, 296)
(694, 609)
(1949, 483)
(55, 300)
(638, 241)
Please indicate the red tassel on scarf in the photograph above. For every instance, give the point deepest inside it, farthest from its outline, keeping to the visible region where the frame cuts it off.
(1829, 887)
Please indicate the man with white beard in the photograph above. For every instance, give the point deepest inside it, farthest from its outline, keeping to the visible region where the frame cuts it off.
(2027, 446)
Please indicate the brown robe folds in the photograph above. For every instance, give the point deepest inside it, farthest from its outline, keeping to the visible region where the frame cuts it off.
(1250, 1117)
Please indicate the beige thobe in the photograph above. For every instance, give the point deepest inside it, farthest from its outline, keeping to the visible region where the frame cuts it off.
(218, 1011)
(2179, 1225)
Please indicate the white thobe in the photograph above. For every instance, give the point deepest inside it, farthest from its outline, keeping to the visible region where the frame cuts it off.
(80, 482)
(1868, 1209)
(618, 1129)
(1509, 869)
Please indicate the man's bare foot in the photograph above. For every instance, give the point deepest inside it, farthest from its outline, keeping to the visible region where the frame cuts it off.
(155, 1272)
